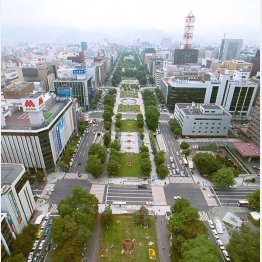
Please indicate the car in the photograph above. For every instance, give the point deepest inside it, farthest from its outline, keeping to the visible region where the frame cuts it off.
(47, 247)
(234, 186)
(210, 222)
(173, 165)
(177, 153)
(35, 244)
(177, 197)
(168, 166)
(171, 159)
(159, 131)
(47, 216)
(222, 247)
(41, 244)
(226, 255)
(46, 231)
(39, 233)
(180, 162)
(94, 133)
(170, 172)
(177, 171)
(214, 232)
(142, 186)
(79, 163)
(211, 195)
(30, 257)
(43, 224)
(50, 222)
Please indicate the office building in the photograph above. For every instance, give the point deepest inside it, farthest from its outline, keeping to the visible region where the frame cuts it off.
(36, 131)
(185, 56)
(235, 94)
(76, 79)
(202, 119)
(166, 43)
(238, 65)
(230, 49)
(7, 235)
(254, 127)
(17, 199)
(256, 64)
(83, 46)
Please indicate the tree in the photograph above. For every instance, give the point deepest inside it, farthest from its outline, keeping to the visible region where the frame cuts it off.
(206, 163)
(94, 166)
(199, 249)
(254, 200)
(186, 152)
(17, 258)
(107, 125)
(224, 177)
(40, 176)
(152, 116)
(177, 131)
(142, 136)
(146, 166)
(160, 158)
(184, 145)
(118, 116)
(106, 217)
(112, 166)
(115, 145)
(244, 246)
(141, 217)
(118, 123)
(162, 171)
(180, 205)
(107, 139)
(97, 149)
(212, 147)
(143, 148)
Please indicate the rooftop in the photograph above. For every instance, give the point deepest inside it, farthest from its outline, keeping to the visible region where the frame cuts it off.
(9, 173)
(247, 149)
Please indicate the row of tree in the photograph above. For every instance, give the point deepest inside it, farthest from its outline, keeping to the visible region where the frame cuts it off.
(189, 236)
(109, 102)
(146, 165)
(95, 100)
(151, 112)
(185, 147)
(113, 162)
(159, 96)
(161, 169)
(175, 127)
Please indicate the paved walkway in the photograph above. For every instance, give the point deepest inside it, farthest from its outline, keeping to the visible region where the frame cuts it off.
(98, 191)
(181, 180)
(159, 197)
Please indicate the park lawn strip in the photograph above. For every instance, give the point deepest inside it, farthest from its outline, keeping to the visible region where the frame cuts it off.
(128, 108)
(129, 126)
(132, 170)
(121, 229)
(128, 94)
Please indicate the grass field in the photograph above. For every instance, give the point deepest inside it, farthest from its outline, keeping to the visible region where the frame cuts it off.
(130, 165)
(129, 126)
(125, 94)
(121, 229)
(129, 108)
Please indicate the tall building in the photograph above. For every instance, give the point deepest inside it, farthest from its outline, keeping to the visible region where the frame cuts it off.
(185, 56)
(230, 49)
(254, 128)
(17, 199)
(166, 43)
(256, 64)
(83, 46)
(238, 65)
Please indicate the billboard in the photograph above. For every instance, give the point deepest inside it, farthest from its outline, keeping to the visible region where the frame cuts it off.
(65, 92)
(79, 71)
(34, 104)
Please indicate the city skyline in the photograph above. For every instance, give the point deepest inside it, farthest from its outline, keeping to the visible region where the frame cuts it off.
(111, 17)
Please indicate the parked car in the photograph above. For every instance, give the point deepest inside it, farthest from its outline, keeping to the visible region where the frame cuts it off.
(35, 244)
(177, 197)
(41, 244)
(43, 224)
(173, 165)
(211, 195)
(171, 159)
(30, 257)
(46, 231)
(47, 247)
(142, 186)
(168, 166)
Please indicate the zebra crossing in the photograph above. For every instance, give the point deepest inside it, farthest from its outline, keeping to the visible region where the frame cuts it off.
(53, 208)
(98, 191)
(75, 176)
(159, 197)
(182, 180)
(203, 216)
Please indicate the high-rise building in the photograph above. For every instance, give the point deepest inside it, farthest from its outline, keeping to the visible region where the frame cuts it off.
(254, 128)
(238, 65)
(185, 56)
(230, 49)
(256, 64)
(83, 46)
(166, 43)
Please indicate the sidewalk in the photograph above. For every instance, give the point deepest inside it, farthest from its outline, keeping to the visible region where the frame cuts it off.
(200, 180)
(54, 177)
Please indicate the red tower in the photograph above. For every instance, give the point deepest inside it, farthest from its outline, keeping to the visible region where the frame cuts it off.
(189, 28)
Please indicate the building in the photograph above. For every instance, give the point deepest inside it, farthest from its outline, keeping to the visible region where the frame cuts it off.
(79, 59)
(36, 135)
(185, 56)
(235, 93)
(238, 65)
(7, 235)
(166, 43)
(77, 79)
(256, 64)
(230, 49)
(17, 199)
(202, 119)
(254, 126)
(83, 46)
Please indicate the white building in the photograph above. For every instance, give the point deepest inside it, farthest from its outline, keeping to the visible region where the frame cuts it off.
(202, 119)
(17, 199)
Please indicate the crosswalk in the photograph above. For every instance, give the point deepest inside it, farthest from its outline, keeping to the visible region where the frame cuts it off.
(75, 176)
(98, 191)
(182, 180)
(159, 197)
(203, 216)
(53, 208)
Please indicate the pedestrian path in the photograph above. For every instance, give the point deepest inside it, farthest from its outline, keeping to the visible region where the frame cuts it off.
(75, 176)
(98, 191)
(53, 208)
(159, 197)
(182, 180)
(203, 216)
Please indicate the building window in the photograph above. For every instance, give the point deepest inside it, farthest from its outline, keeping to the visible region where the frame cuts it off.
(224, 127)
(194, 123)
(211, 132)
(212, 127)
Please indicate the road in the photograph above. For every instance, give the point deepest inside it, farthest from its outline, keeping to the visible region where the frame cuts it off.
(82, 152)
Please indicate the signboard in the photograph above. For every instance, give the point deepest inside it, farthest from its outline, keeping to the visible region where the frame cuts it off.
(56, 135)
(15, 208)
(65, 92)
(33, 104)
(79, 71)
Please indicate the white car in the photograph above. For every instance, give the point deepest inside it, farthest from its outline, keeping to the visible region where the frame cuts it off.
(177, 197)
(43, 224)
(41, 244)
(173, 165)
(35, 244)
(30, 257)
(226, 255)
(177, 153)
(180, 162)
(211, 195)
(171, 159)
(168, 166)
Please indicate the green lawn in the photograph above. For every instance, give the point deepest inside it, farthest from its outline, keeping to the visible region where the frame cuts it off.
(121, 229)
(125, 94)
(47, 115)
(129, 165)
(129, 126)
(129, 108)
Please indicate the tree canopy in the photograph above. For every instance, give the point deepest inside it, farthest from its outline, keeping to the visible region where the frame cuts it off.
(94, 166)
(99, 150)
(254, 200)
(224, 177)
(184, 145)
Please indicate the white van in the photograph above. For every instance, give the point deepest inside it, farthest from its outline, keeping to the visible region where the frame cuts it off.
(171, 159)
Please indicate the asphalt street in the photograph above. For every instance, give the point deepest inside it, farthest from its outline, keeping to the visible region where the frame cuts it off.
(132, 195)
(82, 151)
(231, 196)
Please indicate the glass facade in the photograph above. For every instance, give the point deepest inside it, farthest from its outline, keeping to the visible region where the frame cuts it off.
(234, 99)
(214, 94)
(8, 238)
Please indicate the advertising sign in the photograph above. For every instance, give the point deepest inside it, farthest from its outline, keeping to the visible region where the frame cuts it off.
(33, 104)
(65, 92)
(15, 208)
(79, 71)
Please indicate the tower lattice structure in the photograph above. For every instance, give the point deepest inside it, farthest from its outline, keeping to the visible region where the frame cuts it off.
(188, 31)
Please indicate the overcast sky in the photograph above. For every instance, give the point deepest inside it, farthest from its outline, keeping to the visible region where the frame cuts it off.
(235, 17)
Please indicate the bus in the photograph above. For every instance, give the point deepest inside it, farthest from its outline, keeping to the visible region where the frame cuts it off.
(185, 161)
(243, 203)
